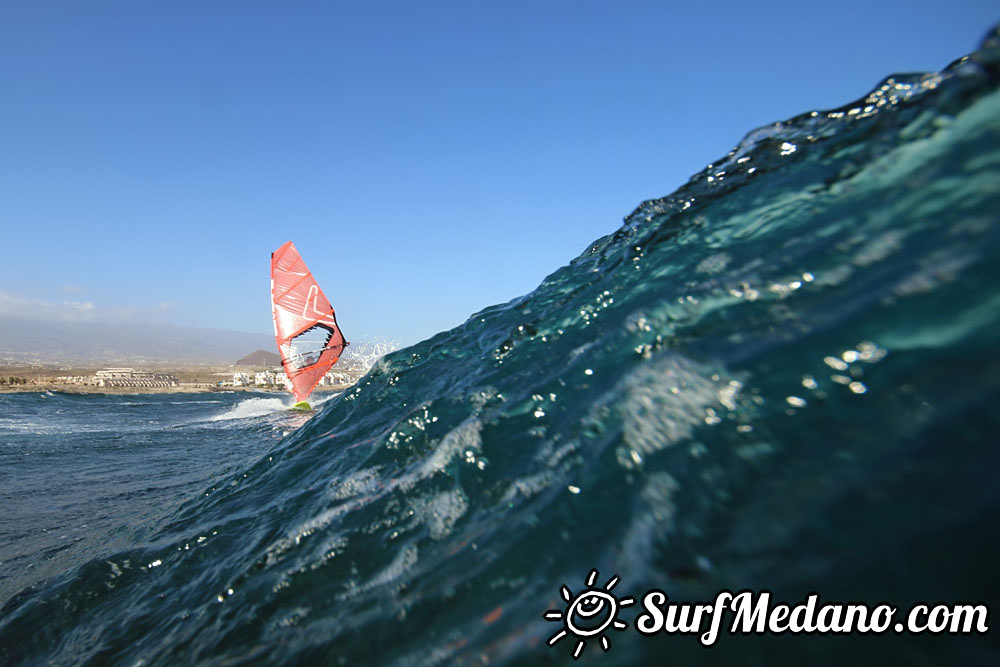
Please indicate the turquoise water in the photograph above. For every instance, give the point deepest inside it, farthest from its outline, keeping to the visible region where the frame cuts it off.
(783, 376)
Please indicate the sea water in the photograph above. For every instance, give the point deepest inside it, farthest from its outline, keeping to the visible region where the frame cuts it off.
(81, 474)
(784, 377)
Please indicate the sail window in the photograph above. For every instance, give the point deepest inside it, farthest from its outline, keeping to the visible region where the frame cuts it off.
(307, 347)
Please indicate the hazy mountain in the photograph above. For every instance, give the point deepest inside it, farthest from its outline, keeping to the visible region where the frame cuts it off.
(92, 342)
(260, 358)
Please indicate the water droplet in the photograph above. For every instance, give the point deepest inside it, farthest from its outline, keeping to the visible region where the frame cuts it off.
(835, 363)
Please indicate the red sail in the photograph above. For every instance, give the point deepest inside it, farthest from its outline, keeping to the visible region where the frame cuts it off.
(305, 326)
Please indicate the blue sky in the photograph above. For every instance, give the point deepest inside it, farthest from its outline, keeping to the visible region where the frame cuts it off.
(428, 158)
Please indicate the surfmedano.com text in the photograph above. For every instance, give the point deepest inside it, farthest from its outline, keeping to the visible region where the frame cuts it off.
(752, 613)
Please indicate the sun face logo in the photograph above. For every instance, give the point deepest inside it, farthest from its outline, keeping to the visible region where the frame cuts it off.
(588, 614)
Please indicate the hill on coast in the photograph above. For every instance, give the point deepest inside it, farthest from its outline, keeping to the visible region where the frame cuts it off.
(260, 358)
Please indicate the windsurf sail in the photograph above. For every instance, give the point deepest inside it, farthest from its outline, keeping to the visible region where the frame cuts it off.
(305, 325)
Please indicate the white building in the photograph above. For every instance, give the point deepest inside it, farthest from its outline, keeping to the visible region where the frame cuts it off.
(129, 377)
(281, 378)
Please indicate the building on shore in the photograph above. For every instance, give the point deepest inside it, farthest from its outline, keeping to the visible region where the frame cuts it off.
(75, 379)
(129, 377)
(264, 378)
(332, 379)
(277, 377)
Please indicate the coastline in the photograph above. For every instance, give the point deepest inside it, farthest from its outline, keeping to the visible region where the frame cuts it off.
(88, 389)
(194, 379)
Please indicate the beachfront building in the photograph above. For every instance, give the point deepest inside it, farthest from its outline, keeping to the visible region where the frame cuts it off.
(332, 379)
(278, 377)
(281, 378)
(264, 378)
(129, 377)
(74, 379)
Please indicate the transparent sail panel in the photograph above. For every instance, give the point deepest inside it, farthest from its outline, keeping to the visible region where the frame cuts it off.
(308, 345)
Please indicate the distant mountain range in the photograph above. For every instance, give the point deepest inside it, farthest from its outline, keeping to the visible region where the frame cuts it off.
(46, 342)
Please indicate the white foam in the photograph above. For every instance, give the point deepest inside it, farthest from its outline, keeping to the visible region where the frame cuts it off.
(466, 437)
(661, 403)
(441, 511)
(317, 399)
(252, 407)
(362, 482)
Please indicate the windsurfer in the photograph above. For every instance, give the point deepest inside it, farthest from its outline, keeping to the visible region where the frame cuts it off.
(303, 318)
